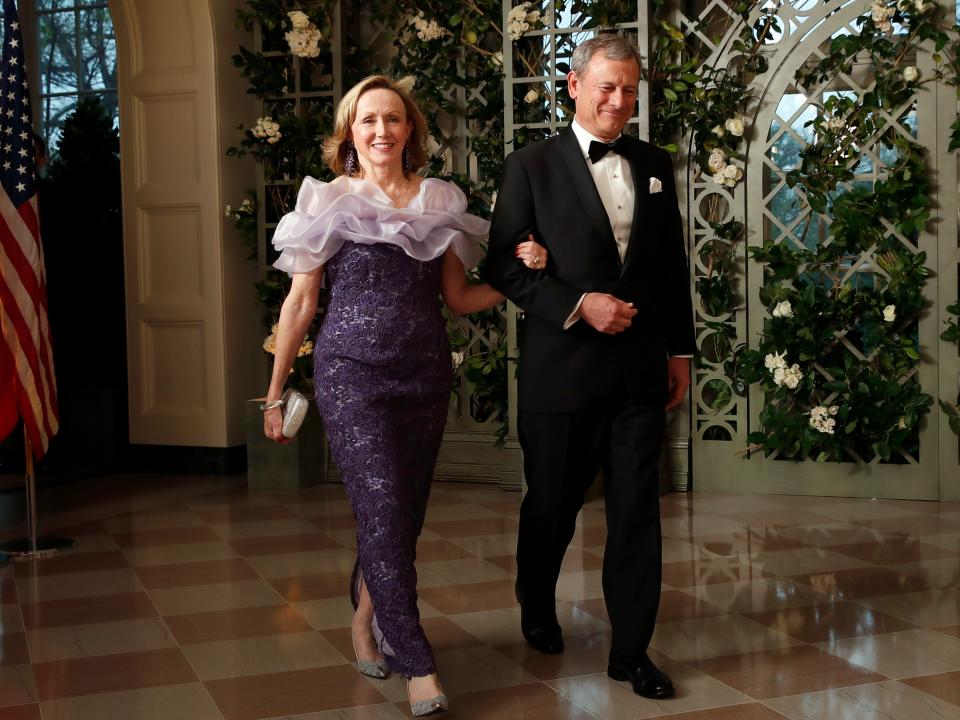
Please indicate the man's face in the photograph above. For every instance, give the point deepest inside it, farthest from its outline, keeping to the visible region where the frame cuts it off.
(605, 94)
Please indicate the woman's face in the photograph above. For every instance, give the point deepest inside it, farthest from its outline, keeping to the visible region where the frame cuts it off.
(380, 129)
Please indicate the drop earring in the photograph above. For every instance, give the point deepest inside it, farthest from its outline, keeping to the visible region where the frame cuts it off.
(351, 163)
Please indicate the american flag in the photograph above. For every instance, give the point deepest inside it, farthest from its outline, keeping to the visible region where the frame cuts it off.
(27, 384)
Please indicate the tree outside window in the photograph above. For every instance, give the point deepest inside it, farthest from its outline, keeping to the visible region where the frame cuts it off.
(76, 58)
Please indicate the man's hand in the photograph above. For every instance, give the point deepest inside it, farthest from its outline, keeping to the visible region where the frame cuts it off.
(606, 313)
(678, 378)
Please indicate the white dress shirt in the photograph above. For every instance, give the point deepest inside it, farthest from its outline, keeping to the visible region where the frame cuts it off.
(614, 182)
(611, 174)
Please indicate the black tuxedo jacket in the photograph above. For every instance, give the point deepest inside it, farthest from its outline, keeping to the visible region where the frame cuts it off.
(548, 190)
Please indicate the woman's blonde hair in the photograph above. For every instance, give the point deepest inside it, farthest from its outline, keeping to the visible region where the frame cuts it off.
(337, 146)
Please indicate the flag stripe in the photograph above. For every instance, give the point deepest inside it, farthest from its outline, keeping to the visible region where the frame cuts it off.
(29, 321)
(30, 216)
(24, 383)
(19, 339)
(32, 275)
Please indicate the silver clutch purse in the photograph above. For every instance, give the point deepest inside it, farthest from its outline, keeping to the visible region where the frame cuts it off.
(294, 411)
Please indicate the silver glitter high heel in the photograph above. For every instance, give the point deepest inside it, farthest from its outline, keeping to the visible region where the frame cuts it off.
(372, 668)
(437, 704)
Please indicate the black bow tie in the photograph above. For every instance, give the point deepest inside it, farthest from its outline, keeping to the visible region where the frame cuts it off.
(598, 149)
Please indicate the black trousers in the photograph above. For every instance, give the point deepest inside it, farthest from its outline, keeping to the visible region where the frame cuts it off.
(562, 454)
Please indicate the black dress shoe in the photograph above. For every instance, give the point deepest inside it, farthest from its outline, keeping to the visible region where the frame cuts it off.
(647, 679)
(543, 637)
(540, 628)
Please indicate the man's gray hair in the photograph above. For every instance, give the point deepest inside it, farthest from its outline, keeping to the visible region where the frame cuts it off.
(612, 46)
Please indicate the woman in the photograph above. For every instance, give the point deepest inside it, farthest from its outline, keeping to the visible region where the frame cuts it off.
(388, 241)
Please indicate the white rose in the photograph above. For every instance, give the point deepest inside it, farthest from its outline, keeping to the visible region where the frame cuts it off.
(718, 131)
(732, 175)
(836, 123)
(902, 423)
(792, 376)
(497, 59)
(719, 179)
(228, 211)
(783, 309)
(717, 161)
(735, 125)
(299, 19)
(779, 375)
(306, 348)
(531, 96)
(910, 74)
(775, 360)
(270, 342)
(890, 313)
(833, 409)
(305, 42)
(881, 13)
(457, 358)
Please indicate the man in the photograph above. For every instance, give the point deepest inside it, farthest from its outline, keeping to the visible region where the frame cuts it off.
(604, 350)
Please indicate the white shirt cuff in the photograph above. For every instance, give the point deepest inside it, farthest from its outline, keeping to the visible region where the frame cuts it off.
(575, 315)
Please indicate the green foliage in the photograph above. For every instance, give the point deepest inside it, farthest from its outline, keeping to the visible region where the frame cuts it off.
(277, 78)
(853, 300)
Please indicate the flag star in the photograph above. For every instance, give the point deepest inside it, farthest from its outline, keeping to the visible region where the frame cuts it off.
(14, 42)
(8, 147)
(23, 152)
(8, 130)
(25, 118)
(21, 187)
(6, 165)
(10, 113)
(22, 170)
(11, 95)
(11, 77)
(13, 60)
(15, 25)
(24, 135)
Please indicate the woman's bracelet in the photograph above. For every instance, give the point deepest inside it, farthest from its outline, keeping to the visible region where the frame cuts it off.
(271, 405)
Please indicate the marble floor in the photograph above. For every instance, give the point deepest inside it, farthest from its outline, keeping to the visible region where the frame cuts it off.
(192, 598)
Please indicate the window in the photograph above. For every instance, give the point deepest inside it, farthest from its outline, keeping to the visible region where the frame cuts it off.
(75, 57)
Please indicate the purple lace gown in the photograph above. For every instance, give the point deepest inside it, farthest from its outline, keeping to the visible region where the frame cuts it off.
(383, 372)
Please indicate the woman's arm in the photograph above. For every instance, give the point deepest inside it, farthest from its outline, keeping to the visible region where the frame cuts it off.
(297, 312)
(460, 296)
(463, 298)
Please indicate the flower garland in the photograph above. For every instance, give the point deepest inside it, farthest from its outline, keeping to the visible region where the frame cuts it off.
(286, 143)
(856, 395)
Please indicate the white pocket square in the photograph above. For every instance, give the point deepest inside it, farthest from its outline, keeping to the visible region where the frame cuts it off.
(655, 185)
